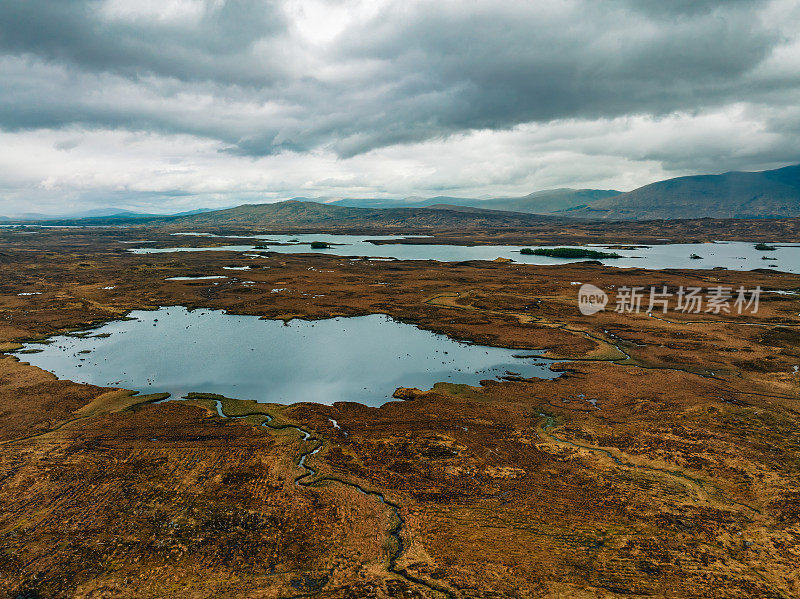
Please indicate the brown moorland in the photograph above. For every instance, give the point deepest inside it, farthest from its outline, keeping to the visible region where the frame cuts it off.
(662, 462)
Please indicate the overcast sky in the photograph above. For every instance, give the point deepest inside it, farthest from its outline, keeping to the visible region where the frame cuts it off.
(174, 104)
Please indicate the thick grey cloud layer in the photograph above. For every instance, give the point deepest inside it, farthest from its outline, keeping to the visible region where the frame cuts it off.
(349, 78)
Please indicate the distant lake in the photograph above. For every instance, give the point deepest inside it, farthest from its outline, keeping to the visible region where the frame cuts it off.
(361, 359)
(733, 255)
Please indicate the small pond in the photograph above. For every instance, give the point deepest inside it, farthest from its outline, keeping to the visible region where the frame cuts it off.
(362, 359)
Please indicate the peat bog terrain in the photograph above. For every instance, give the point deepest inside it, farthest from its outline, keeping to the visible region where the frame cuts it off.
(659, 457)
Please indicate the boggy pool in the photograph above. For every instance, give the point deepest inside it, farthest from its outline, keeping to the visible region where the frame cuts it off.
(362, 359)
(733, 255)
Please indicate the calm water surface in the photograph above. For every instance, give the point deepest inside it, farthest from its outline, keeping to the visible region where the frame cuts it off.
(732, 255)
(362, 359)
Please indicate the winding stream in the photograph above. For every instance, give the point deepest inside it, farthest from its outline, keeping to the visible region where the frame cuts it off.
(309, 478)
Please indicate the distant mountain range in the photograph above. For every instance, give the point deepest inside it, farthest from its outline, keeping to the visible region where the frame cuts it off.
(547, 201)
(296, 213)
(103, 213)
(765, 194)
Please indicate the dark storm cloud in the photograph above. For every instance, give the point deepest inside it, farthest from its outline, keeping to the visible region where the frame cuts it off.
(495, 70)
(75, 32)
(411, 72)
(676, 8)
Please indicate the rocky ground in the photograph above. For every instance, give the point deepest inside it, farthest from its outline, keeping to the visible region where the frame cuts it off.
(662, 462)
